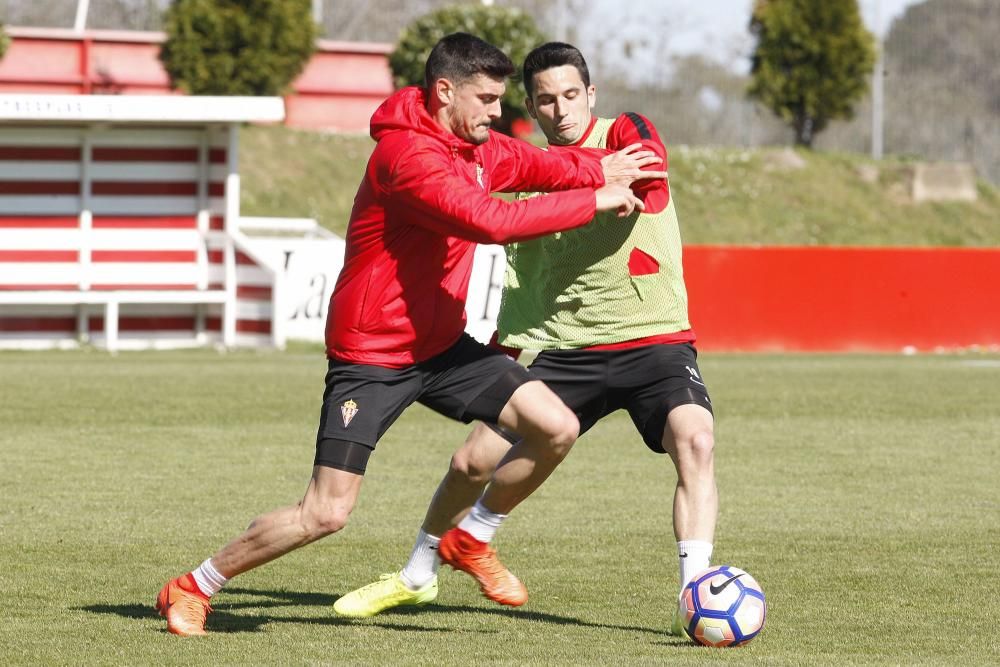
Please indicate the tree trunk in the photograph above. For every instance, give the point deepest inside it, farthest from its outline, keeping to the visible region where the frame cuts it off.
(804, 131)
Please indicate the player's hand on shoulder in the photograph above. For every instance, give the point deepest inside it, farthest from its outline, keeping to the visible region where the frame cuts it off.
(626, 166)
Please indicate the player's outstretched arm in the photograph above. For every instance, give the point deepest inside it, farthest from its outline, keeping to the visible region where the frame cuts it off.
(625, 166)
(454, 206)
(518, 166)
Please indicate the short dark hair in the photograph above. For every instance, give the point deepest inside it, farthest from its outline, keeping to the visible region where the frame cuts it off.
(460, 56)
(553, 54)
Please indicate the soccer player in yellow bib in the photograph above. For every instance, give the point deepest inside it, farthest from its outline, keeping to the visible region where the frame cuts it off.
(607, 306)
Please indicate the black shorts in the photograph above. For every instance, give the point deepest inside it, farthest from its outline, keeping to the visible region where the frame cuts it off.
(648, 381)
(468, 381)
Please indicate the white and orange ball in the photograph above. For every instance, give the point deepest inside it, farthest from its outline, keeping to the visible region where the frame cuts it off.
(722, 606)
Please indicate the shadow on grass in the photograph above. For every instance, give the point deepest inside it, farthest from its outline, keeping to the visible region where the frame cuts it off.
(523, 614)
(223, 619)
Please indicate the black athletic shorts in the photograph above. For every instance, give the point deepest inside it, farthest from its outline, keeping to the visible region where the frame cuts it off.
(468, 381)
(648, 381)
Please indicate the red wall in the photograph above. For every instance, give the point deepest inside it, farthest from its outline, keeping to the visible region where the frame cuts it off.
(341, 86)
(843, 299)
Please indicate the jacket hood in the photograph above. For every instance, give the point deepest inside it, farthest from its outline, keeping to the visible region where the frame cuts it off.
(406, 110)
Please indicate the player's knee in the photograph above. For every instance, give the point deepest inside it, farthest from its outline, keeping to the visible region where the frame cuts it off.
(563, 432)
(466, 468)
(698, 449)
(321, 522)
(331, 523)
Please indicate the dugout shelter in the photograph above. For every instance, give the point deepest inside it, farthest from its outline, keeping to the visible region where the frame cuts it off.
(119, 223)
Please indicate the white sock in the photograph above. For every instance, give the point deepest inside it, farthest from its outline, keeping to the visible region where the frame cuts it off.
(481, 523)
(423, 564)
(208, 578)
(694, 556)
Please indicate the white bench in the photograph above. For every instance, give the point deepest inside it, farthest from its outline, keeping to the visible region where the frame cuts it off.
(108, 262)
(111, 301)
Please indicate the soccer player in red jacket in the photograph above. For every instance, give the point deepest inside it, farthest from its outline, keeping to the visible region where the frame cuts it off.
(395, 329)
(626, 343)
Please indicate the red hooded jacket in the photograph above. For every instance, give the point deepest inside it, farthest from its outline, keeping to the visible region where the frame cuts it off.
(423, 205)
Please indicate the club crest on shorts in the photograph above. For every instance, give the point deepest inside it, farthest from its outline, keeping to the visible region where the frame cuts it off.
(348, 410)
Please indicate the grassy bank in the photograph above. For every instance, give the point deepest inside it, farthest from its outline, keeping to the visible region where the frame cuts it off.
(723, 195)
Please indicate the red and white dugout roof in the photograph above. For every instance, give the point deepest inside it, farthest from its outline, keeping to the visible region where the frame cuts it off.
(146, 155)
(159, 109)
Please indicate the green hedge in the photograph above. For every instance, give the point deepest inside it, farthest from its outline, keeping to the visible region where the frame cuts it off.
(237, 47)
(511, 30)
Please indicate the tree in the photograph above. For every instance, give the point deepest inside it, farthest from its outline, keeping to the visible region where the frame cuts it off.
(922, 45)
(942, 91)
(4, 41)
(812, 62)
(511, 30)
(237, 47)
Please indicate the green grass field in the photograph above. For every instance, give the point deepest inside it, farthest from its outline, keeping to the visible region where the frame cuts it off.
(863, 492)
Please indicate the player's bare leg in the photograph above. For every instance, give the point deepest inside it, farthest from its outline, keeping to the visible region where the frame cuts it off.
(548, 430)
(690, 441)
(328, 502)
(469, 473)
(324, 509)
(688, 438)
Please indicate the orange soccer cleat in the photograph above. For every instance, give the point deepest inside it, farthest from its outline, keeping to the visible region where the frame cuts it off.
(184, 606)
(464, 552)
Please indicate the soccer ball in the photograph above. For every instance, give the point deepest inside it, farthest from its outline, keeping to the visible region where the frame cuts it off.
(722, 606)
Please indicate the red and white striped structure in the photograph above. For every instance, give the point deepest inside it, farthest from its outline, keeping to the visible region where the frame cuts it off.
(339, 89)
(119, 223)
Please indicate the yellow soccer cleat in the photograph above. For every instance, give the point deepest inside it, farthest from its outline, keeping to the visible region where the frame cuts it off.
(677, 626)
(388, 592)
